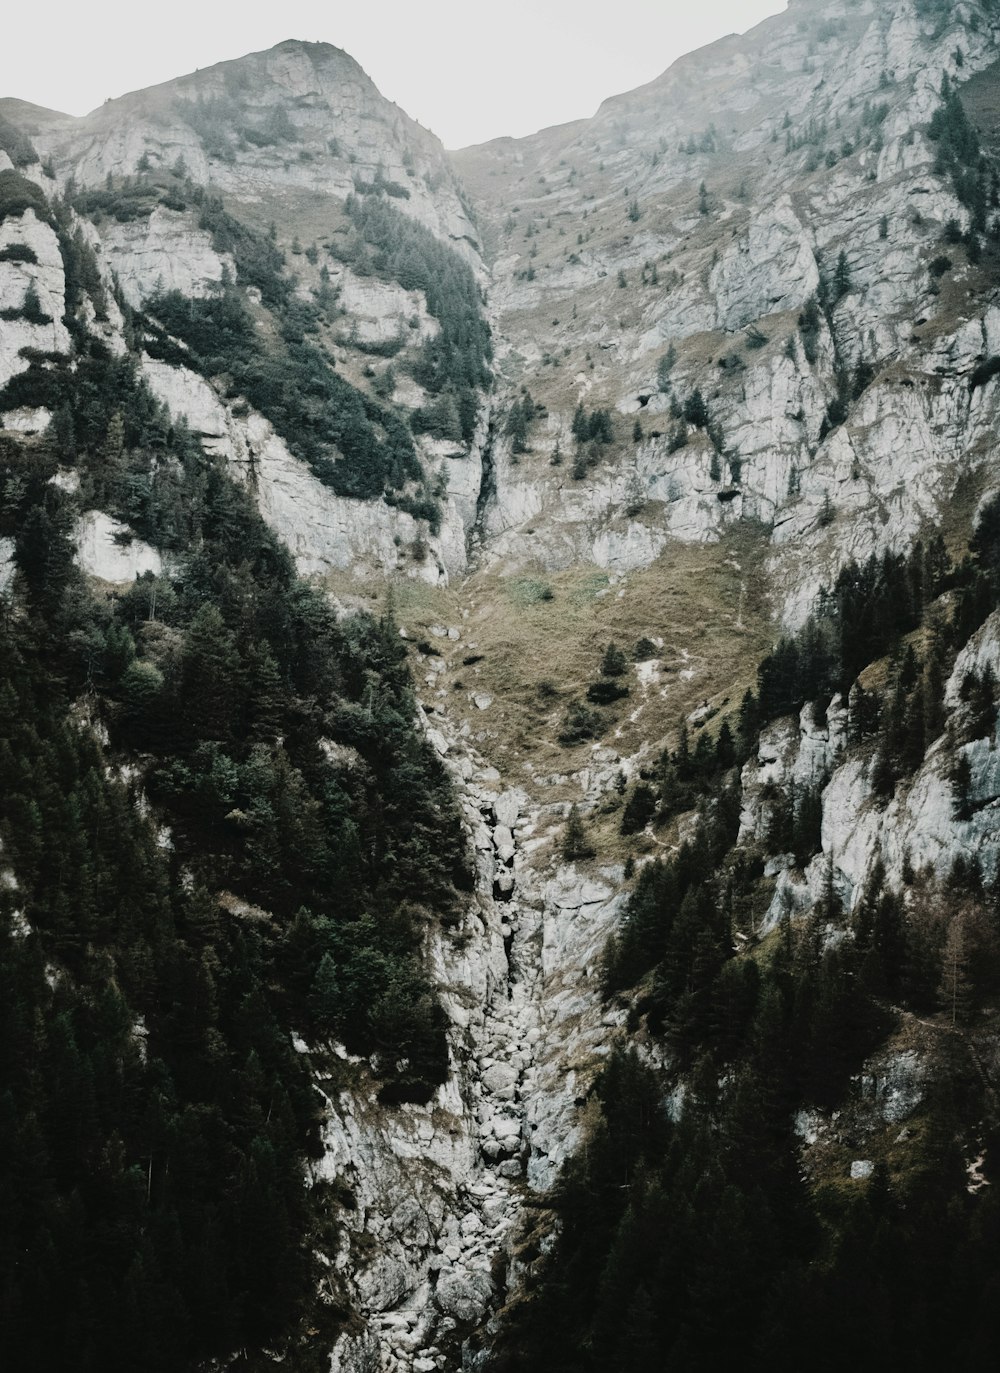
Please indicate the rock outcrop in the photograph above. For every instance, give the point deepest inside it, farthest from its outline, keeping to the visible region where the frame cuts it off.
(440, 1187)
(921, 828)
(30, 262)
(812, 144)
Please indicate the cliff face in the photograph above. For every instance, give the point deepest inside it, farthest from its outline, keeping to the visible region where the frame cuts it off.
(809, 138)
(283, 137)
(300, 118)
(761, 228)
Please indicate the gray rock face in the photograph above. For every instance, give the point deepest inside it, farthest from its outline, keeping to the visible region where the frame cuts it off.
(45, 274)
(324, 531)
(7, 567)
(768, 269)
(301, 117)
(919, 825)
(165, 252)
(107, 549)
(723, 284)
(752, 261)
(377, 309)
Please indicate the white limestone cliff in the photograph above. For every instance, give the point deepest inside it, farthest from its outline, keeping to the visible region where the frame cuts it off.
(751, 262)
(919, 829)
(108, 550)
(165, 252)
(41, 267)
(324, 531)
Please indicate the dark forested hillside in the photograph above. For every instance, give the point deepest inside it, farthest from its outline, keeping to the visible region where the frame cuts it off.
(690, 1233)
(693, 1242)
(219, 827)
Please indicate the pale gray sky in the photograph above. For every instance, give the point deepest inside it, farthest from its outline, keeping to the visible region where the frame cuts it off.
(469, 71)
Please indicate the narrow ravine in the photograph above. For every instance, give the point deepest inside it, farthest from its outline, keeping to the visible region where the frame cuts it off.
(438, 1191)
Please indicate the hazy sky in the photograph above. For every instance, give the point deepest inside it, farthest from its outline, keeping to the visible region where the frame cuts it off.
(469, 71)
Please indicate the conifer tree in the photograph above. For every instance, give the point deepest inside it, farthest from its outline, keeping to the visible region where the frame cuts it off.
(325, 1001)
(955, 987)
(696, 410)
(841, 277)
(665, 367)
(614, 663)
(576, 842)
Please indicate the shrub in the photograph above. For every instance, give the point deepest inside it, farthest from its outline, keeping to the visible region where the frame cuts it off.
(18, 252)
(606, 692)
(124, 203)
(17, 194)
(379, 185)
(614, 662)
(985, 372)
(579, 724)
(16, 145)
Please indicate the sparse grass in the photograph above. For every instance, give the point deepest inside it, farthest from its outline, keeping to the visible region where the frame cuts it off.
(538, 654)
(529, 591)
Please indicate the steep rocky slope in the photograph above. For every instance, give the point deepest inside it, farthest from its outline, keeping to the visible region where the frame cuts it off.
(618, 281)
(742, 268)
(282, 138)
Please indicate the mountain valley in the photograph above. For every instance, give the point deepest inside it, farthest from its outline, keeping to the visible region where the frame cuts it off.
(499, 852)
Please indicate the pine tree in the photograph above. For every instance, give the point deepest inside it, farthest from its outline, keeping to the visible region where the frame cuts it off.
(576, 842)
(209, 670)
(639, 809)
(961, 786)
(696, 410)
(955, 988)
(517, 427)
(325, 999)
(44, 551)
(664, 368)
(614, 663)
(266, 695)
(113, 449)
(725, 749)
(841, 277)
(31, 306)
(747, 729)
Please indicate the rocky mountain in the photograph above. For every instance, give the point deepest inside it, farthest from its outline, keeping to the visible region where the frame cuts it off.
(665, 440)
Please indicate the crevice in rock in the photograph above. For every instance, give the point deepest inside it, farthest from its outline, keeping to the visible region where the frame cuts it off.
(487, 491)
